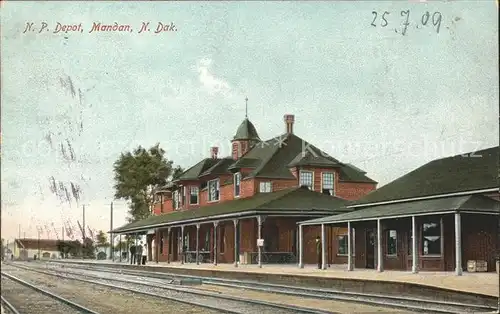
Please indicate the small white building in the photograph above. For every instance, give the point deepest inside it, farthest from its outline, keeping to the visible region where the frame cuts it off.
(31, 248)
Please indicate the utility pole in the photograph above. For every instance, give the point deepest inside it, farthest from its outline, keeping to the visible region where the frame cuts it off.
(83, 227)
(39, 243)
(19, 232)
(111, 248)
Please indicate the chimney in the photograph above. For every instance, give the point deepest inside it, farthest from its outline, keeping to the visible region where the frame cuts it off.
(289, 120)
(214, 151)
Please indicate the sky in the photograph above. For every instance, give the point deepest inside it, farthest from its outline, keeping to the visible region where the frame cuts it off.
(386, 99)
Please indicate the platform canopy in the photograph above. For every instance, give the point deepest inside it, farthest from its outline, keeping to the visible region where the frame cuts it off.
(292, 202)
(479, 204)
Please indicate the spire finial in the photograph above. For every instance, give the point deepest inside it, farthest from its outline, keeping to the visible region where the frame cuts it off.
(246, 107)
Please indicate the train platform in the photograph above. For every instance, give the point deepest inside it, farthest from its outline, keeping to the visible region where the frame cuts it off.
(472, 285)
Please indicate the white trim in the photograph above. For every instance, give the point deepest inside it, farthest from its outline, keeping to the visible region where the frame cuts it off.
(237, 174)
(321, 184)
(427, 197)
(481, 213)
(208, 190)
(197, 194)
(312, 179)
(376, 218)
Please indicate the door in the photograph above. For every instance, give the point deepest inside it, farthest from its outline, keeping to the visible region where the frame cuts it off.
(370, 249)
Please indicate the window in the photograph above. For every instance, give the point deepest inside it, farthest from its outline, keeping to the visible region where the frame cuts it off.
(183, 196)
(213, 190)
(392, 242)
(237, 182)
(265, 187)
(342, 241)
(186, 242)
(222, 239)
(306, 179)
(327, 180)
(431, 238)
(175, 200)
(193, 195)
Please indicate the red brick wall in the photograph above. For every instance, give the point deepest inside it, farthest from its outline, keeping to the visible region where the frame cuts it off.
(353, 190)
(242, 146)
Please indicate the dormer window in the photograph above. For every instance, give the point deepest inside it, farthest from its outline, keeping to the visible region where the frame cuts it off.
(237, 184)
(193, 195)
(213, 190)
(327, 183)
(306, 179)
(265, 187)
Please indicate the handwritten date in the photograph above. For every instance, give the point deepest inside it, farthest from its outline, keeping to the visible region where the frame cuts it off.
(427, 19)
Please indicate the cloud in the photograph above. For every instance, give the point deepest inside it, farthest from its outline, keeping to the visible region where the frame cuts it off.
(209, 82)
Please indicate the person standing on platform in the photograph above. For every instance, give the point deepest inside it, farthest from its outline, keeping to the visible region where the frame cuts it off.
(132, 254)
(144, 254)
(319, 252)
(138, 253)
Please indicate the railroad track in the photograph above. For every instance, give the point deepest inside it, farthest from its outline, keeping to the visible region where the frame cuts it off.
(19, 296)
(391, 301)
(161, 289)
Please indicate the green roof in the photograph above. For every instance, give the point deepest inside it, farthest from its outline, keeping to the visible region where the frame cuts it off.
(271, 159)
(221, 167)
(246, 131)
(460, 173)
(195, 171)
(311, 159)
(469, 203)
(287, 201)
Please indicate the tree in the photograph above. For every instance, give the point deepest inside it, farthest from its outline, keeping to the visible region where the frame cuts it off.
(101, 239)
(137, 174)
(3, 249)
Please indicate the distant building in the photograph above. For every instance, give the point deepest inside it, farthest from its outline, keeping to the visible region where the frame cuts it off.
(29, 248)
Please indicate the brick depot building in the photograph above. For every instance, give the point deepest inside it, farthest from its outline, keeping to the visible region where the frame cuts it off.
(218, 208)
(436, 218)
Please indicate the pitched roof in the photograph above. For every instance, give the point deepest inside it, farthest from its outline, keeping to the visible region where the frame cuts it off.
(33, 244)
(221, 167)
(292, 200)
(469, 203)
(195, 171)
(460, 173)
(246, 131)
(308, 158)
(271, 159)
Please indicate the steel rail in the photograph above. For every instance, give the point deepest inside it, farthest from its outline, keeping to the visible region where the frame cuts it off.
(11, 308)
(74, 305)
(295, 309)
(325, 294)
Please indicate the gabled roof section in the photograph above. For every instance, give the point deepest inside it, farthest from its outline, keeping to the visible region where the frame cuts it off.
(468, 203)
(195, 171)
(308, 158)
(246, 131)
(271, 159)
(282, 150)
(292, 200)
(461, 173)
(221, 167)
